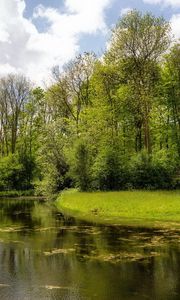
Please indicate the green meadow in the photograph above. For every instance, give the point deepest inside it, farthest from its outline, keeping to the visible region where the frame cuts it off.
(124, 207)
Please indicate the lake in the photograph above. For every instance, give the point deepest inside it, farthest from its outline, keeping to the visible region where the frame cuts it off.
(46, 255)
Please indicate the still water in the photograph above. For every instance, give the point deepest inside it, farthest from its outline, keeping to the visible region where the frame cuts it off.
(44, 255)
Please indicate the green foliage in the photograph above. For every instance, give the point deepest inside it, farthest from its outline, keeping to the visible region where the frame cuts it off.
(108, 124)
(12, 174)
(142, 37)
(54, 178)
(29, 167)
(109, 170)
(81, 168)
(52, 163)
(150, 174)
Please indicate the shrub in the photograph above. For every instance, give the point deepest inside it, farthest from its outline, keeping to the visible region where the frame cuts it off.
(150, 174)
(12, 173)
(109, 171)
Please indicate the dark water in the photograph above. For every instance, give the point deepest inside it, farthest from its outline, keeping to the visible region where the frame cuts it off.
(44, 255)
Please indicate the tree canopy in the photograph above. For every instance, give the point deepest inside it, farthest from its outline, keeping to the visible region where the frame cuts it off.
(104, 124)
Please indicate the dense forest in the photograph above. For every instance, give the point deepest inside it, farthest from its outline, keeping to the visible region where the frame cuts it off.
(107, 123)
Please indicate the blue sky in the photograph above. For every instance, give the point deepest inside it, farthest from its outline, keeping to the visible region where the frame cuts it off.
(97, 42)
(114, 11)
(35, 35)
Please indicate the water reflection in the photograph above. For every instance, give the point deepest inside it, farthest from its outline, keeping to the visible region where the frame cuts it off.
(44, 255)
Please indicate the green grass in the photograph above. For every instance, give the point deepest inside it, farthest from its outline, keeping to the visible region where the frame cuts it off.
(131, 207)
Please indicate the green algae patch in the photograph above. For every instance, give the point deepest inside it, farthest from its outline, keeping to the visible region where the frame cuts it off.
(124, 256)
(59, 251)
(56, 287)
(147, 208)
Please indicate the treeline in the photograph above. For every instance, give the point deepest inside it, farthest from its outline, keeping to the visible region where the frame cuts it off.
(105, 124)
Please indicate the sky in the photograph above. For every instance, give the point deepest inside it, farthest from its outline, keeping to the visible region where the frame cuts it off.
(36, 35)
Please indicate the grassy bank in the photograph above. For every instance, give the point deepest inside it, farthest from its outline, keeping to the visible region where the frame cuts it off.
(124, 207)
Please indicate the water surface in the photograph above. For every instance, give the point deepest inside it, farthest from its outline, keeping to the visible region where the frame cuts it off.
(45, 255)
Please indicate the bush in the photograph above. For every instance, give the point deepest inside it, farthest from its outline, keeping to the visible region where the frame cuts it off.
(150, 174)
(109, 171)
(54, 180)
(13, 174)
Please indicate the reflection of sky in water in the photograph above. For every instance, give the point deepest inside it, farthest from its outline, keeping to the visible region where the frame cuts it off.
(46, 256)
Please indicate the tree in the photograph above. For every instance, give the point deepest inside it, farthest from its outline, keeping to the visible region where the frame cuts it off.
(171, 81)
(72, 88)
(107, 124)
(137, 43)
(14, 93)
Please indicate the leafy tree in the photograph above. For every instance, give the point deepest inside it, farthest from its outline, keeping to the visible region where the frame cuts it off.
(137, 43)
(171, 78)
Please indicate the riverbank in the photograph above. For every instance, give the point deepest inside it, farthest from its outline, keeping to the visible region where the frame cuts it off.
(145, 208)
(27, 194)
(16, 194)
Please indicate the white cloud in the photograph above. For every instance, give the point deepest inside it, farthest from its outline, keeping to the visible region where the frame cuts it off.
(175, 25)
(173, 3)
(125, 10)
(24, 49)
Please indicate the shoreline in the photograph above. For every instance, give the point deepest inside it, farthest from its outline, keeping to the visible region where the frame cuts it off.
(27, 194)
(22, 197)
